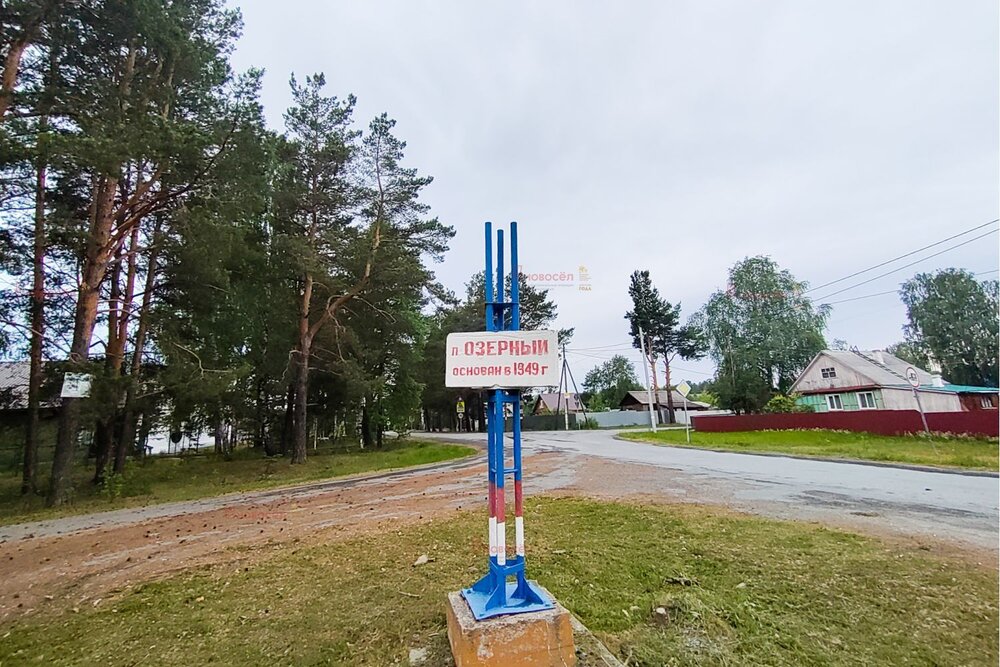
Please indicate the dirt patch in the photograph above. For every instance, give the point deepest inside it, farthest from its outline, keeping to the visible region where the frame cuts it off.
(73, 570)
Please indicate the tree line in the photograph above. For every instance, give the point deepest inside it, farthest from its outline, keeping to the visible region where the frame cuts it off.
(205, 270)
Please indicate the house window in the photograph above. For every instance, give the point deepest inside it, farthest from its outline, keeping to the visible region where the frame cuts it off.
(866, 400)
(833, 402)
(986, 402)
(828, 372)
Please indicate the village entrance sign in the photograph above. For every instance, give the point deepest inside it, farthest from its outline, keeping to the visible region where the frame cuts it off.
(503, 360)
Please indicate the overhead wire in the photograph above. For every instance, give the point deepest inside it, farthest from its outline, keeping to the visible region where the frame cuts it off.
(906, 266)
(858, 298)
(892, 291)
(899, 257)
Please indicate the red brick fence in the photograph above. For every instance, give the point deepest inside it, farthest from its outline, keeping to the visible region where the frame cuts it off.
(883, 422)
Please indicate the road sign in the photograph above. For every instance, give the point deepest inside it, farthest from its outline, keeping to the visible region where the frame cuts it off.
(460, 407)
(502, 359)
(76, 385)
(914, 380)
(684, 388)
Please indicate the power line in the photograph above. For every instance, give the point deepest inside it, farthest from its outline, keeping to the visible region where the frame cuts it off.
(906, 266)
(858, 298)
(603, 357)
(616, 346)
(691, 370)
(892, 291)
(913, 252)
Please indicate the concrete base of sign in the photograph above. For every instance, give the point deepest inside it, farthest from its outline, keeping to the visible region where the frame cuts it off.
(541, 638)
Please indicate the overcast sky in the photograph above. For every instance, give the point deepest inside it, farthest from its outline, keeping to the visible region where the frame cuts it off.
(677, 137)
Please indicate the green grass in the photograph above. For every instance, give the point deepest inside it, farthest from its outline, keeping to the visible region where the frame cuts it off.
(960, 452)
(734, 591)
(165, 479)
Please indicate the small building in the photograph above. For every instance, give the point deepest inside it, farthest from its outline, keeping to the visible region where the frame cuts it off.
(549, 403)
(639, 400)
(846, 380)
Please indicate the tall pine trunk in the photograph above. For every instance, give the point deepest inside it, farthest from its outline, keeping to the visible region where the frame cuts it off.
(302, 374)
(219, 436)
(30, 471)
(127, 440)
(104, 432)
(299, 419)
(366, 424)
(288, 426)
(85, 317)
(671, 418)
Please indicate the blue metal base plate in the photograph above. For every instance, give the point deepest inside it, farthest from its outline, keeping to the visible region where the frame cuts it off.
(477, 602)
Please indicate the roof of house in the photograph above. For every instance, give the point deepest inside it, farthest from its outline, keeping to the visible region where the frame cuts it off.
(14, 374)
(887, 370)
(14, 383)
(890, 370)
(640, 396)
(550, 401)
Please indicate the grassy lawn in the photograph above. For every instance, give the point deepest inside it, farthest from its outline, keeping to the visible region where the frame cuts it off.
(165, 479)
(732, 590)
(938, 451)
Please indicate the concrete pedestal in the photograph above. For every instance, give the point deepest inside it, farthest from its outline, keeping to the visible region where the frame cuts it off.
(534, 639)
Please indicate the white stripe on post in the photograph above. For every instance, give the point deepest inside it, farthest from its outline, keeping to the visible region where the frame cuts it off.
(493, 536)
(519, 535)
(501, 543)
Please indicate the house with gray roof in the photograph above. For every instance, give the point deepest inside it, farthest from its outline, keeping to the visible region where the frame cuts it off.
(549, 403)
(639, 400)
(844, 380)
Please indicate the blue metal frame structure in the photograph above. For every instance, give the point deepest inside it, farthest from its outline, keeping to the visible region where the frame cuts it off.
(494, 594)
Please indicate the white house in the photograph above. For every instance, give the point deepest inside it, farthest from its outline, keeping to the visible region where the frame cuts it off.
(875, 380)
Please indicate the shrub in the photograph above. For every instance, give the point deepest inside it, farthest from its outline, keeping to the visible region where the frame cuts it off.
(784, 404)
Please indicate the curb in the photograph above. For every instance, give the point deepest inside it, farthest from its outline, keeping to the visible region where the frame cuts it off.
(965, 472)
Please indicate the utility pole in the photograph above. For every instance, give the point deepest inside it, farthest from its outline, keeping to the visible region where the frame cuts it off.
(570, 378)
(559, 390)
(565, 368)
(645, 372)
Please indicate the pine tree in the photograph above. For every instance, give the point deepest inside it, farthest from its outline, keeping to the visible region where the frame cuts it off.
(148, 121)
(665, 337)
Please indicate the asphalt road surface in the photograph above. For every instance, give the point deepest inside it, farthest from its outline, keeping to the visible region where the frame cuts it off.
(946, 505)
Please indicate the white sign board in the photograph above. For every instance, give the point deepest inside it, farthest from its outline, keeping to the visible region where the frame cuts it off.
(76, 385)
(912, 377)
(502, 359)
(684, 388)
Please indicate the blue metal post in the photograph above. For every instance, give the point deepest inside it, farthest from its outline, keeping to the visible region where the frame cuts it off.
(488, 291)
(492, 595)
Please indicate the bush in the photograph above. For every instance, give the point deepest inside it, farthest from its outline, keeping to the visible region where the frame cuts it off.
(589, 424)
(785, 404)
(125, 486)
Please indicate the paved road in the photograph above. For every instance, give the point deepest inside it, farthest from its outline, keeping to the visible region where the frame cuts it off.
(945, 505)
